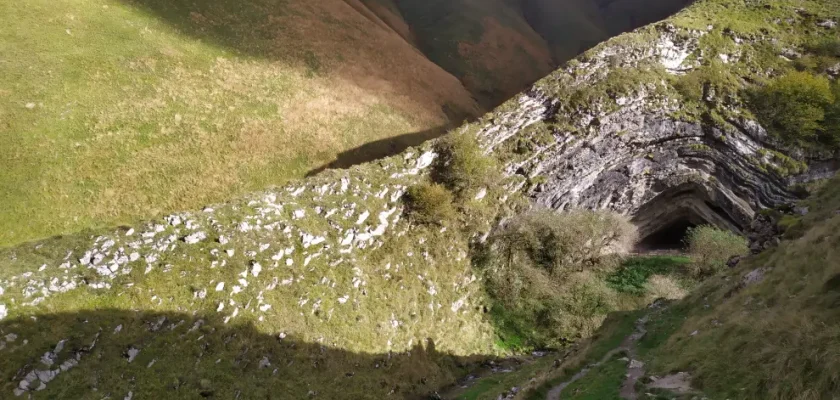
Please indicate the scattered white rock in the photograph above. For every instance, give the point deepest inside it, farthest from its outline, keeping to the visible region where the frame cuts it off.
(828, 24)
(195, 237)
(363, 217)
(425, 160)
(132, 353)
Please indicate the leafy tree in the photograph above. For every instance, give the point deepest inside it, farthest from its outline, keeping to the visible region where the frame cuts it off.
(710, 248)
(794, 106)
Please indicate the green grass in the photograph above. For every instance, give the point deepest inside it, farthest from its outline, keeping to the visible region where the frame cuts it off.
(714, 333)
(114, 111)
(490, 386)
(401, 315)
(633, 274)
(615, 329)
(601, 383)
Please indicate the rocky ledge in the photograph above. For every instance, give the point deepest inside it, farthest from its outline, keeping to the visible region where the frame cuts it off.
(637, 146)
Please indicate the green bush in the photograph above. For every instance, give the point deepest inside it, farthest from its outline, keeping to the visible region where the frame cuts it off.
(564, 242)
(710, 248)
(826, 46)
(462, 166)
(430, 203)
(634, 272)
(543, 274)
(831, 135)
(794, 107)
(713, 78)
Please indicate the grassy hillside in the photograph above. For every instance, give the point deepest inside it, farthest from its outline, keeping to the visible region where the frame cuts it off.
(116, 110)
(323, 286)
(766, 329)
(487, 44)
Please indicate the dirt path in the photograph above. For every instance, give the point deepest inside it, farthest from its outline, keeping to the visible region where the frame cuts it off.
(635, 368)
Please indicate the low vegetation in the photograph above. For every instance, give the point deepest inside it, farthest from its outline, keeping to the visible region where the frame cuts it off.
(710, 248)
(115, 111)
(462, 166)
(795, 106)
(543, 273)
(786, 296)
(638, 275)
(430, 203)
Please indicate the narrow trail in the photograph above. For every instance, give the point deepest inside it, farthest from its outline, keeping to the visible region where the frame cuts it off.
(635, 368)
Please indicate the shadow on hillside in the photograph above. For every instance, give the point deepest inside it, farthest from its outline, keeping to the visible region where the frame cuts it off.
(112, 353)
(320, 38)
(380, 149)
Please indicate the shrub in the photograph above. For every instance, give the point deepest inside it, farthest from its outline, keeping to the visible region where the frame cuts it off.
(794, 106)
(430, 203)
(462, 166)
(542, 271)
(663, 287)
(710, 248)
(827, 47)
(831, 136)
(714, 80)
(562, 242)
(635, 272)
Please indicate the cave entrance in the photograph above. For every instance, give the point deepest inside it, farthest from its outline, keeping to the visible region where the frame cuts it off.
(669, 238)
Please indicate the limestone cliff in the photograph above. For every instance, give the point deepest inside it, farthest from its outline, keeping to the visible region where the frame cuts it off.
(615, 129)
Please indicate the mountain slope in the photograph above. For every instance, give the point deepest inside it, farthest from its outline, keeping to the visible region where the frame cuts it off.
(116, 110)
(113, 111)
(330, 286)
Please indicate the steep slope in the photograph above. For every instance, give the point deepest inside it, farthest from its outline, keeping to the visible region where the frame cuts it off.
(116, 110)
(120, 110)
(766, 328)
(657, 123)
(487, 44)
(318, 288)
(569, 27)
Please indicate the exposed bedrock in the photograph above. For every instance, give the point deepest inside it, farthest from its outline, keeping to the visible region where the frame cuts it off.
(668, 175)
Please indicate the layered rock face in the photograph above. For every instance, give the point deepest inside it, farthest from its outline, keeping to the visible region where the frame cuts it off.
(637, 146)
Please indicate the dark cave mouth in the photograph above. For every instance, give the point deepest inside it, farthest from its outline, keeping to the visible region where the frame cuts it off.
(669, 238)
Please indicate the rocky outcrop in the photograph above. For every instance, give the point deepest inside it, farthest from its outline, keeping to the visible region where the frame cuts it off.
(638, 148)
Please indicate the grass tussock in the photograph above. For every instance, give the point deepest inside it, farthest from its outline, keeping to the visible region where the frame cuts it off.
(462, 166)
(430, 203)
